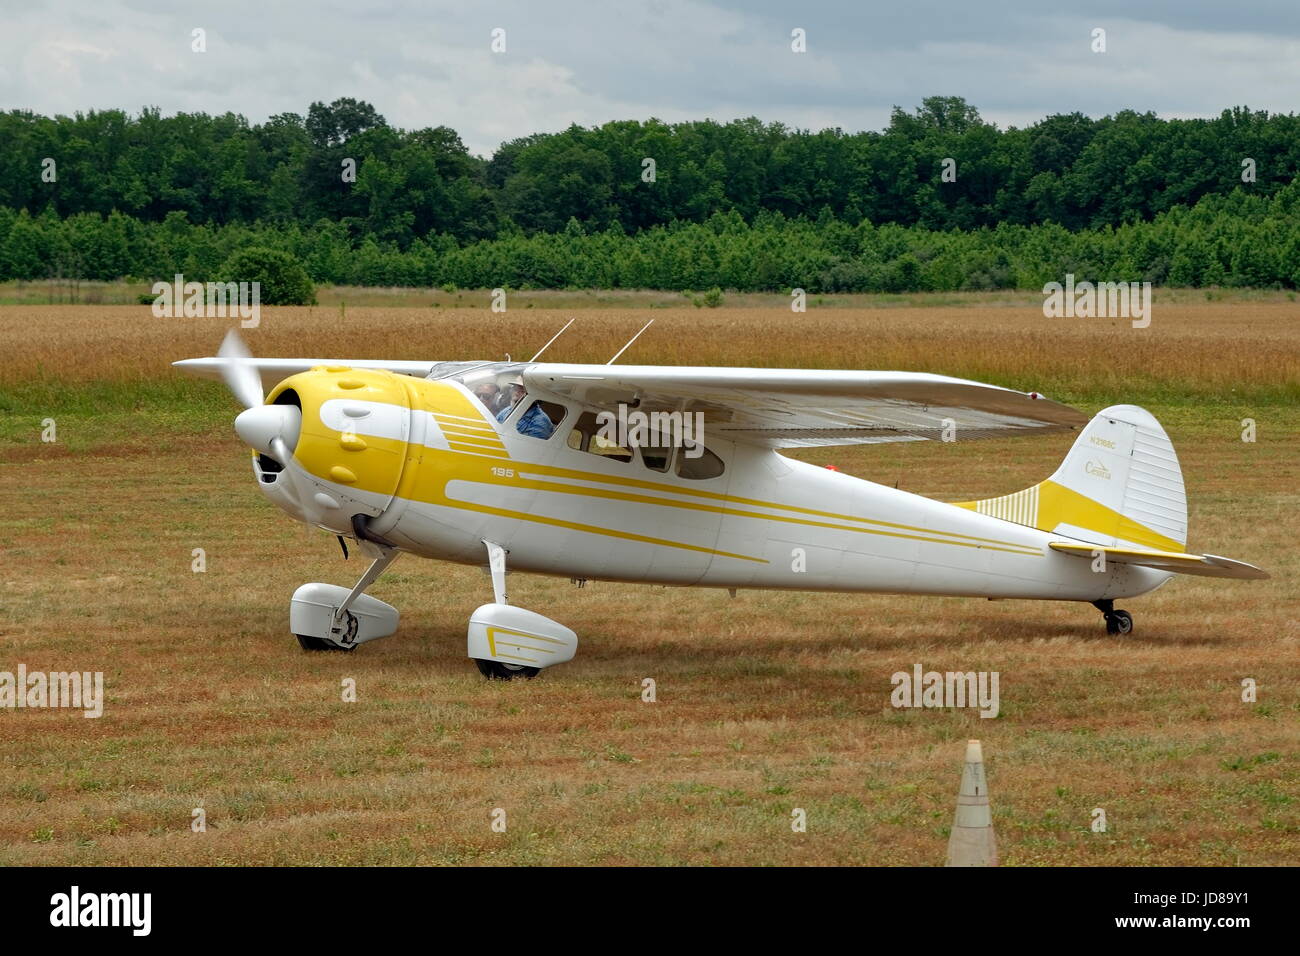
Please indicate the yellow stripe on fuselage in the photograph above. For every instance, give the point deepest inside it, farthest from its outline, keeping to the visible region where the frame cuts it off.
(735, 512)
(464, 449)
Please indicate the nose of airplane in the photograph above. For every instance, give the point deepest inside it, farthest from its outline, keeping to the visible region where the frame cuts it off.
(261, 426)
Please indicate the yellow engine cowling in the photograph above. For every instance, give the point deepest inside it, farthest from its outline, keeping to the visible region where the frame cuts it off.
(352, 447)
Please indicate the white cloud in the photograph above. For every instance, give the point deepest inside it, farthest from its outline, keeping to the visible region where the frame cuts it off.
(429, 63)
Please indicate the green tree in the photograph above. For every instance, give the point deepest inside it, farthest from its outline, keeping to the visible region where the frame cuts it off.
(283, 279)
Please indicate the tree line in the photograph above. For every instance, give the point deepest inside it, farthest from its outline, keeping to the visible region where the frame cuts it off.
(1238, 239)
(938, 199)
(1068, 169)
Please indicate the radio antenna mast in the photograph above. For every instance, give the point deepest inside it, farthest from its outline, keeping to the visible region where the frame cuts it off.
(629, 342)
(553, 338)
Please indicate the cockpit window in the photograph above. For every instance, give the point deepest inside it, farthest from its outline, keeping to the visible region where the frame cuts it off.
(492, 397)
(540, 419)
(706, 465)
(495, 385)
(586, 436)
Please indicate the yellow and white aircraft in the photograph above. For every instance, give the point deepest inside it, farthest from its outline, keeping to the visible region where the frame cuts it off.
(429, 458)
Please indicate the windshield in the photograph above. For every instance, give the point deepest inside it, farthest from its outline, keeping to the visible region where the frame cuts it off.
(496, 385)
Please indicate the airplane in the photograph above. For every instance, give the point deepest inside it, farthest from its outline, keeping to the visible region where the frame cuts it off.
(428, 458)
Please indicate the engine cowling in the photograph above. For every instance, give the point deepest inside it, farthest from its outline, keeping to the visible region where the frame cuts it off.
(350, 448)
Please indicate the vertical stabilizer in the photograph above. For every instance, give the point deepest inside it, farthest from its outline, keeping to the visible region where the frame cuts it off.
(1120, 486)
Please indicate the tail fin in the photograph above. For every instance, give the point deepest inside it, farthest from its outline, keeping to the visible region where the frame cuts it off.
(1120, 485)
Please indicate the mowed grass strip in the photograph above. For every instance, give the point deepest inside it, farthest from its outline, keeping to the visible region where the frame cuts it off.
(768, 702)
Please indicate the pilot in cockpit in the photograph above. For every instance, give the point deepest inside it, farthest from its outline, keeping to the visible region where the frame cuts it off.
(490, 395)
(535, 421)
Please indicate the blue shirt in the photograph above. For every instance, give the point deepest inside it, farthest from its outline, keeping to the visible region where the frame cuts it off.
(534, 422)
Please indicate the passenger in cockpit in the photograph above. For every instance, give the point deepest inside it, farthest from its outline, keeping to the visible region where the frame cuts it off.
(534, 422)
(490, 395)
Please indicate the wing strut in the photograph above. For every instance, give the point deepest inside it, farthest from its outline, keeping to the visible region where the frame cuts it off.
(553, 338)
(629, 342)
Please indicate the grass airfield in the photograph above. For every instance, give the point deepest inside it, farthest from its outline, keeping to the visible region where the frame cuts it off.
(766, 702)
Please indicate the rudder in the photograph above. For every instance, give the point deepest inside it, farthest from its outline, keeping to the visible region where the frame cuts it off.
(1120, 485)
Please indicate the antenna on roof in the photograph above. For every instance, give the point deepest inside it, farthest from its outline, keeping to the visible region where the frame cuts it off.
(629, 342)
(553, 338)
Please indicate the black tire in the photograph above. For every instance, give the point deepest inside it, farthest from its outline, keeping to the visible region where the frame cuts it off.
(495, 670)
(320, 644)
(1119, 623)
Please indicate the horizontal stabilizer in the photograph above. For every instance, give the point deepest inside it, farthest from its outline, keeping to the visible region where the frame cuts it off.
(1207, 565)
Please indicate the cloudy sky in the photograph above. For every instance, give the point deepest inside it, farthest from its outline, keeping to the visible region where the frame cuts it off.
(429, 62)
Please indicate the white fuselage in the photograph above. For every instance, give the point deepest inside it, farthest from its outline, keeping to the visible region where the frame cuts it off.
(767, 522)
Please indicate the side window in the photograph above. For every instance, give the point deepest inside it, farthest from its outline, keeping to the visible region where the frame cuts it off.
(586, 436)
(707, 465)
(540, 419)
(656, 457)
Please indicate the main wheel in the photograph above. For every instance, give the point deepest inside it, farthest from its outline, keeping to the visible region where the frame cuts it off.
(1119, 623)
(496, 670)
(320, 644)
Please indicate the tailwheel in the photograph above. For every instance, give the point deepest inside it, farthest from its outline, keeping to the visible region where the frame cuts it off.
(1119, 623)
(496, 670)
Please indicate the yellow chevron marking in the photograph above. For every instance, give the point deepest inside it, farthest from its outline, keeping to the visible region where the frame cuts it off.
(477, 450)
(476, 421)
(473, 441)
(482, 435)
(1054, 505)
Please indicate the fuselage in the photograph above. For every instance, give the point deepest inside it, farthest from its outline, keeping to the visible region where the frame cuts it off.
(438, 475)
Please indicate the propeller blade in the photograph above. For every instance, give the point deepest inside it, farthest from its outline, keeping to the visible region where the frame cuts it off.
(281, 452)
(311, 511)
(240, 376)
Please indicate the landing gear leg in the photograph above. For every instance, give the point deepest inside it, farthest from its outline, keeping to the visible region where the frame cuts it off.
(497, 565)
(1118, 623)
(501, 670)
(342, 628)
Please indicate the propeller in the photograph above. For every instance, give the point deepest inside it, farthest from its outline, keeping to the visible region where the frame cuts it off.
(270, 429)
(238, 372)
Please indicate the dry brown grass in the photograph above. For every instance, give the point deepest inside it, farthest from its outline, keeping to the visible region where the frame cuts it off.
(1193, 347)
(766, 702)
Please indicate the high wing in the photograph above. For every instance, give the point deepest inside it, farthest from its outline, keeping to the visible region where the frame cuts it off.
(784, 408)
(1205, 565)
(274, 370)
